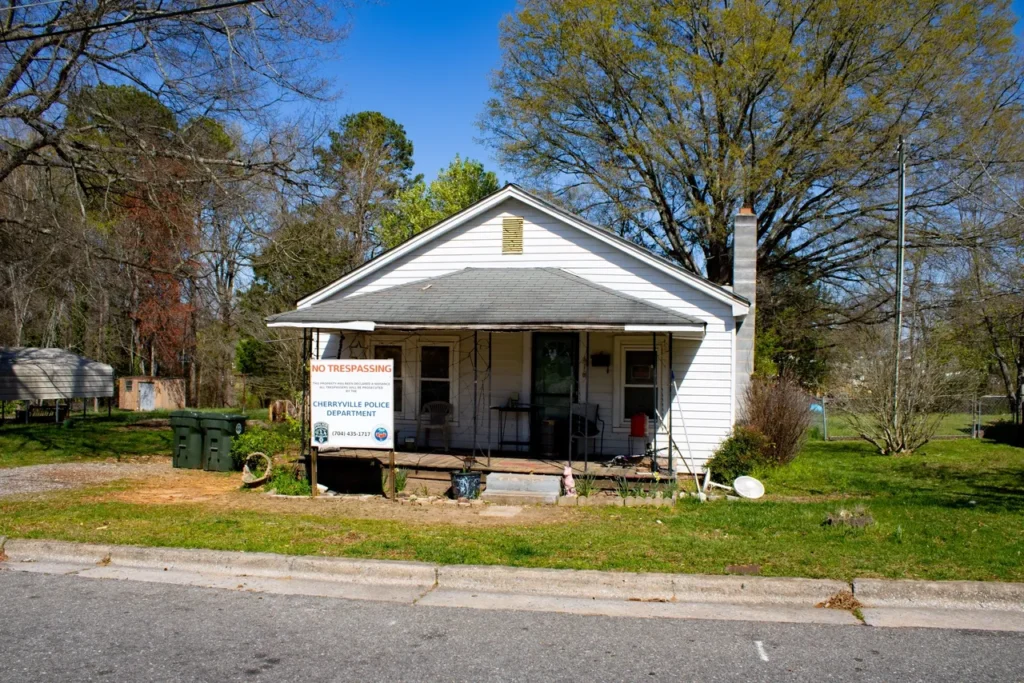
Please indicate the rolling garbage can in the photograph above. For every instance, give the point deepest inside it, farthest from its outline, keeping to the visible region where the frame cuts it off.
(218, 433)
(188, 440)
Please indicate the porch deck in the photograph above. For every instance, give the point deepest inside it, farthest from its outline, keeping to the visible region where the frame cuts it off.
(440, 463)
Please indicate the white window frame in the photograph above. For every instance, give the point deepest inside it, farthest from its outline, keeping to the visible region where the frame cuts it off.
(453, 379)
(407, 348)
(620, 421)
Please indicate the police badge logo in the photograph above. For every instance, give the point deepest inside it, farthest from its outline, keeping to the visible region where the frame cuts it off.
(320, 432)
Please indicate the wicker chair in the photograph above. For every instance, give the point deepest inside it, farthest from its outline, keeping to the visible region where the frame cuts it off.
(438, 417)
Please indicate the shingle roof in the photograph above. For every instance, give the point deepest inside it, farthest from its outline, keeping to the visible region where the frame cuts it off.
(492, 296)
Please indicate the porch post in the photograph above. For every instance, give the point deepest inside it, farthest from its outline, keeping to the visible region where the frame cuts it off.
(572, 382)
(654, 391)
(476, 357)
(671, 400)
(490, 398)
(586, 402)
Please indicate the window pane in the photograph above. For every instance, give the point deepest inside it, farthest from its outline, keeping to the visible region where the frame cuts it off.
(398, 396)
(392, 352)
(638, 400)
(640, 367)
(434, 391)
(434, 362)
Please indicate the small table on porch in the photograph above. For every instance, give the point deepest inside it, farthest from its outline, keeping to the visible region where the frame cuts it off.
(515, 411)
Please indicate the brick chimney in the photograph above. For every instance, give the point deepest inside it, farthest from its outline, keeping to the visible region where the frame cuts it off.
(744, 283)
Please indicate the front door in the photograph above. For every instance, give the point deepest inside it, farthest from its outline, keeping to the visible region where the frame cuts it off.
(553, 388)
(147, 397)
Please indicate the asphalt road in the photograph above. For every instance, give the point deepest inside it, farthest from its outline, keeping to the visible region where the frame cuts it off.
(65, 628)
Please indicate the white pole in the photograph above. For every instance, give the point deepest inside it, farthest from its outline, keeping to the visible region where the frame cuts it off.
(900, 253)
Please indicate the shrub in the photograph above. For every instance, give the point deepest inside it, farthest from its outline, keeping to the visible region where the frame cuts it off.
(743, 452)
(930, 387)
(289, 481)
(780, 410)
(270, 440)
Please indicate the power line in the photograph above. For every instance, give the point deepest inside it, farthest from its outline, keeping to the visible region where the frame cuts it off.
(130, 20)
(32, 4)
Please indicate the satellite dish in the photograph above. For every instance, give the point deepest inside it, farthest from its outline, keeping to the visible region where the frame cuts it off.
(748, 487)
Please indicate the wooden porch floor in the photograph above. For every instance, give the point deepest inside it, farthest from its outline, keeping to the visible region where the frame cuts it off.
(513, 464)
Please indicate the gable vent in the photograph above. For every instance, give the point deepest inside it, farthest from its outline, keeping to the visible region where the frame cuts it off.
(512, 235)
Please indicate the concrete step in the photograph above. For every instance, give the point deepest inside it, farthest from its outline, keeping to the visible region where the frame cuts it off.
(522, 489)
(518, 497)
(540, 483)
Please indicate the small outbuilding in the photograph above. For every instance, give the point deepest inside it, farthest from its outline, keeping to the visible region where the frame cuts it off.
(150, 393)
(38, 375)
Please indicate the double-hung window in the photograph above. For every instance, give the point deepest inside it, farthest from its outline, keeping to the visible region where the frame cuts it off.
(393, 352)
(435, 374)
(638, 386)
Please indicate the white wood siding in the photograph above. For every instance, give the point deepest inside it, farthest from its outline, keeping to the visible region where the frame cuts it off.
(703, 401)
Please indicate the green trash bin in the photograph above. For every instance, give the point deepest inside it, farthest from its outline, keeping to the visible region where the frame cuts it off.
(188, 440)
(218, 433)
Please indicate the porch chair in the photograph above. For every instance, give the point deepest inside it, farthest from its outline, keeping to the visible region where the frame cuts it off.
(438, 416)
(587, 425)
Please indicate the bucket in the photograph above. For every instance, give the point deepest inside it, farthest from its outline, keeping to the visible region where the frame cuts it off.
(638, 426)
(465, 485)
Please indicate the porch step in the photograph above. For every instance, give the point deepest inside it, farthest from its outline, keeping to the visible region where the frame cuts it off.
(518, 498)
(521, 489)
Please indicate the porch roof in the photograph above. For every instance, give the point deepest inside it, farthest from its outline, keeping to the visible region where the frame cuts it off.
(492, 298)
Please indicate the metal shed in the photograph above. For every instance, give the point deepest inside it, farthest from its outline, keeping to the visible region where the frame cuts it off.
(32, 374)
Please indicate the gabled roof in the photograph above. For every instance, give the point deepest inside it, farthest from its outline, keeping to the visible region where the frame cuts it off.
(494, 298)
(740, 306)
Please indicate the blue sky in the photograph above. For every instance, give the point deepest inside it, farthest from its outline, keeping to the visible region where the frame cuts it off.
(427, 65)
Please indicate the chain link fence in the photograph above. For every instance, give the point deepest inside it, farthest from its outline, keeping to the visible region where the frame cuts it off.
(968, 418)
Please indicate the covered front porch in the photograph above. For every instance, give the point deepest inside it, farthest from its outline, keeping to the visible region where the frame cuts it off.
(528, 370)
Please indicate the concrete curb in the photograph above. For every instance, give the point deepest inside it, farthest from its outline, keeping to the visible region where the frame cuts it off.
(594, 585)
(268, 565)
(965, 595)
(648, 587)
(556, 583)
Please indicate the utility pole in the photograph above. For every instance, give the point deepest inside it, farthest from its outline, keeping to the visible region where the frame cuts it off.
(900, 249)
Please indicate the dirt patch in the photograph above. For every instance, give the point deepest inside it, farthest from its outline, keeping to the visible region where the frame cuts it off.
(358, 507)
(152, 481)
(224, 492)
(179, 486)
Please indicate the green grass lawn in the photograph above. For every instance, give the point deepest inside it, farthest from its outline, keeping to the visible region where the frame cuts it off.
(94, 437)
(953, 511)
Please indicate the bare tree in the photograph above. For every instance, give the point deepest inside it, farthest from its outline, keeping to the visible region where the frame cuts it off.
(226, 60)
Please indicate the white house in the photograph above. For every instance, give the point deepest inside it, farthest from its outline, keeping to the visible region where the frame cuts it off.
(515, 312)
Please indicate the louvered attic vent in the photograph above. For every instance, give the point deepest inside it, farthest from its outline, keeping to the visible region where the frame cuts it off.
(512, 235)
